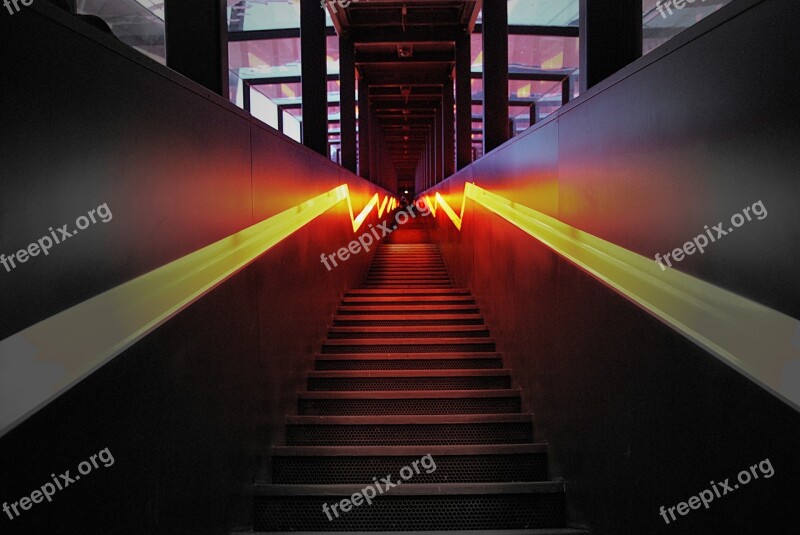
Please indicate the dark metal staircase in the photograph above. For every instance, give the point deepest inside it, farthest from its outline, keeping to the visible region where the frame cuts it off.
(410, 370)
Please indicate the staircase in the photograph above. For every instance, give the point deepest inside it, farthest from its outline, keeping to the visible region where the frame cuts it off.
(409, 370)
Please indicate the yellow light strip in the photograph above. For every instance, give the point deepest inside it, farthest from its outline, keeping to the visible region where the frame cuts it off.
(373, 202)
(382, 206)
(432, 205)
(752, 338)
(41, 362)
(449, 211)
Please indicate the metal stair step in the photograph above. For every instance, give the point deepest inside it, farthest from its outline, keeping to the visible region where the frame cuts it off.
(354, 320)
(405, 345)
(405, 363)
(410, 506)
(406, 309)
(408, 430)
(432, 291)
(407, 402)
(364, 380)
(432, 331)
(412, 300)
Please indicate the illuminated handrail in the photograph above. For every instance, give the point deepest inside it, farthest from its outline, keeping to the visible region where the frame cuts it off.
(757, 341)
(58, 352)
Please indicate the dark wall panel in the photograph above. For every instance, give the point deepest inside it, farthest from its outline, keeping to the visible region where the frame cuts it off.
(635, 415)
(188, 412)
(684, 145)
(83, 126)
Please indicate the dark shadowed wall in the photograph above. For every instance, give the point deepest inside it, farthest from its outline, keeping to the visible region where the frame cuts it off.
(636, 416)
(190, 410)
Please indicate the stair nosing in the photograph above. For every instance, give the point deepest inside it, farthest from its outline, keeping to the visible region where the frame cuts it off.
(413, 489)
(409, 394)
(483, 340)
(416, 419)
(358, 374)
(410, 356)
(410, 450)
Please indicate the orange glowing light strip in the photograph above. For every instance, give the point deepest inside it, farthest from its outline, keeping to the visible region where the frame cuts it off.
(60, 351)
(755, 340)
(359, 220)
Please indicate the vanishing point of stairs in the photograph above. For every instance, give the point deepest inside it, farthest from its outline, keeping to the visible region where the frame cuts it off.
(409, 369)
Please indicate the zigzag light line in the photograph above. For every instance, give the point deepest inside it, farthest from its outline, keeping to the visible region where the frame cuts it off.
(63, 349)
(359, 220)
(755, 340)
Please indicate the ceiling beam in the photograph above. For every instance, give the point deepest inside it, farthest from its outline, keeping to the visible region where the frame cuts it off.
(287, 33)
(416, 57)
(519, 29)
(397, 35)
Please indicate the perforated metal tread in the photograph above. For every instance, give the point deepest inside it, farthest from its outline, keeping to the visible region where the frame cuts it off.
(414, 451)
(414, 507)
(407, 309)
(407, 364)
(408, 406)
(478, 379)
(554, 531)
(412, 299)
(427, 419)
(408, 320)
(409, 369)
(430, 291)
(429, 331)
(447, 468)
(387, 435)
(502, 372)
(406, 430)
(410, 488)
(402, 345)
(413, 394)
(372, 356)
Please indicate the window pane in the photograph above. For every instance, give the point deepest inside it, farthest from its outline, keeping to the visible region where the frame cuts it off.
(244, 15)
(265, 58)
(543, 52)
(291, 127)
(541, 12)
(263, 108)
(139, 24)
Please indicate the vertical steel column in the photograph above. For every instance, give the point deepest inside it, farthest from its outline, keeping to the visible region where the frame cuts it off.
(196, 35)
(610, 38)
(313, 61)
(347, 102)
(438, 143)
(448, 129)
(432, 156)
(495, 73)
(374, 151)
(463, 103)
(245, 95)
(566, 90)
(363, 129)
